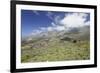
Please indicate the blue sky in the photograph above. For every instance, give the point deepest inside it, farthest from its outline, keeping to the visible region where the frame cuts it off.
(33, 21)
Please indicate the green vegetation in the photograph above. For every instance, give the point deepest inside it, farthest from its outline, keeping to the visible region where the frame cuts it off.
(55, 50)
(57, 46)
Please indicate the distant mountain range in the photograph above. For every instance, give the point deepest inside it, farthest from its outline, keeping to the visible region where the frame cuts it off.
(82, 33)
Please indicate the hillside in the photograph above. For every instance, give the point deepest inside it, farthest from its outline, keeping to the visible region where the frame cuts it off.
(57, 46)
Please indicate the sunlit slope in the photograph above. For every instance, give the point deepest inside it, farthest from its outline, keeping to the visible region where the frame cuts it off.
(64, 47)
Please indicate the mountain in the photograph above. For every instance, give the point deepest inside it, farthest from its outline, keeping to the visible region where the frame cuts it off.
(82, 33)
(57, 45)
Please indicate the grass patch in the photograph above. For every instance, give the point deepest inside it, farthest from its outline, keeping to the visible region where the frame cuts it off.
(57, 52)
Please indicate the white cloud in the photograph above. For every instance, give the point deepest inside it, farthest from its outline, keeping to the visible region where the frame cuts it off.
(87, 23)
(36, 32)
(74, 20)
(43, 29)
(71, 20)
(56, 19)
(49, 15)
(50, 28)
(53, 24)
(59, 28)
(83, 15)
(36, 12)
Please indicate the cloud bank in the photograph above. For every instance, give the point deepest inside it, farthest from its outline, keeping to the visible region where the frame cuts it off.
(74, 20)
(70, 20)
